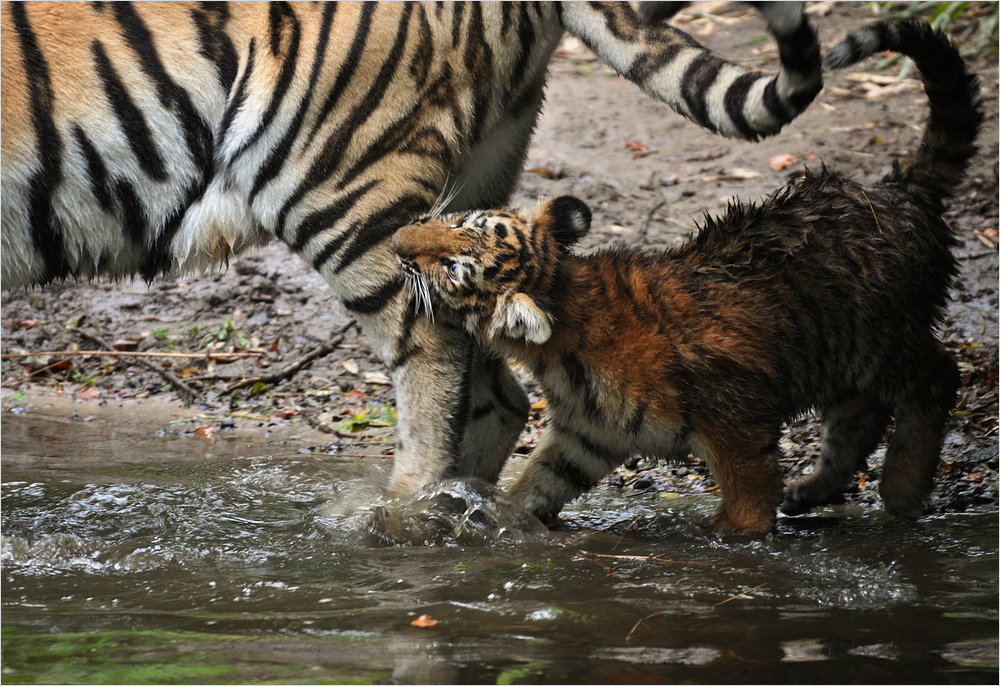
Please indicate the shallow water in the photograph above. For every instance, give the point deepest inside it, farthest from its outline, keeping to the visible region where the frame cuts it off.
(136, 555)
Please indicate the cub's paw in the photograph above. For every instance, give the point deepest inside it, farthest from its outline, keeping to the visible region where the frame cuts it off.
(800, 499)
(755, 527)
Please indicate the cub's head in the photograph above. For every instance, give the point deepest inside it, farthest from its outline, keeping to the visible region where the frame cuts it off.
(493, 270)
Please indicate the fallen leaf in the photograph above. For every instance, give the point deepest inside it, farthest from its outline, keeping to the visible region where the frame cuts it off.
(862, 482)
(779, 162)
(539, 406)
(286, 413)
(743, 174)
(125, 344)
(89, 393)
(351, 366)
(867, 77)
(205, 431)
(424, 622)
(636, 147)
(543, 171)
(620, 230)
(990, 233)
(376, 378)
(188, 371)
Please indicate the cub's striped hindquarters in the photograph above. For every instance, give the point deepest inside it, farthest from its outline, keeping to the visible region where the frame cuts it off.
(143, 138)
(827, 295)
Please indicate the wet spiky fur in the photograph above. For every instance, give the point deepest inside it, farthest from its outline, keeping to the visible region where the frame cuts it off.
(827, 295)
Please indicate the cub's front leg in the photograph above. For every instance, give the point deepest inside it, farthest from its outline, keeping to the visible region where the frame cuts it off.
(564, 465)
(745, 467)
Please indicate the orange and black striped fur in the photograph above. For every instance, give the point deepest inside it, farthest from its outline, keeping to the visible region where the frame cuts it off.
(825, 296)
(149, 137)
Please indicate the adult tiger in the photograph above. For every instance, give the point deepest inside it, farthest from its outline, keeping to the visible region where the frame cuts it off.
(152, 137)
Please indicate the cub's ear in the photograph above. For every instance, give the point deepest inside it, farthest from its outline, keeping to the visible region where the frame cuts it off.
(519, 316)
(568, 218)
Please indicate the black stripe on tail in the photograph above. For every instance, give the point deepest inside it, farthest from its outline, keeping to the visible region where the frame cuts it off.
(938, 165)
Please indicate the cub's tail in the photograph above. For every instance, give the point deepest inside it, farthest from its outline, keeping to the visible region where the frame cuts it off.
(938, 165)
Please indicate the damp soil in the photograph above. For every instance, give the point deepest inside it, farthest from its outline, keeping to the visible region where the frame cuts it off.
(199, 537)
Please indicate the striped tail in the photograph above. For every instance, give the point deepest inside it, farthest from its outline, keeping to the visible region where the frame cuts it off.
(718, 95)
(939, 164)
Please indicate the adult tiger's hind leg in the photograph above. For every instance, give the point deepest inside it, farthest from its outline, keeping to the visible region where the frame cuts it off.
(851, 431)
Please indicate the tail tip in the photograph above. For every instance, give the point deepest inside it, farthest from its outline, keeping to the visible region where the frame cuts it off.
(842, 55)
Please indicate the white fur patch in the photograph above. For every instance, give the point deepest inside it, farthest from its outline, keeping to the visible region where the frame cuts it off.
(519, 317)
(220, 216)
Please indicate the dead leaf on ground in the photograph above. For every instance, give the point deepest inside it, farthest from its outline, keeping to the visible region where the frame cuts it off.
(636, 147)
(89, 393)
(540, 405)
(866, 77)
(351, 366)
(206, 432)
(424, 622)
(543, 171)
(780, 161)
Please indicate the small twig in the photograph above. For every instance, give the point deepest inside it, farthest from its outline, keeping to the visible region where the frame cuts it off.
(292, 369)
(622, 537)
(649, 217)
(636, 626)
(170, 378)
(978, 255)
(607, 571)
(224, 357)
(39, 371)
(643, 558)
(749, 590)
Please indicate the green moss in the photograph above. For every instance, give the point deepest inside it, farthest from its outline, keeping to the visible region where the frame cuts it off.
(155, 657)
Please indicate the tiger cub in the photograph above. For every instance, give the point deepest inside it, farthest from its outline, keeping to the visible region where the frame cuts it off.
(826, 296)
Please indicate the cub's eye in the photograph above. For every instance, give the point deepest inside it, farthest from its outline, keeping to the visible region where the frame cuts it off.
(453, 270)
(468, 220)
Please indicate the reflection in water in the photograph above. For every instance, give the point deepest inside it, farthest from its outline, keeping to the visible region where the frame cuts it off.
(310, 574)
